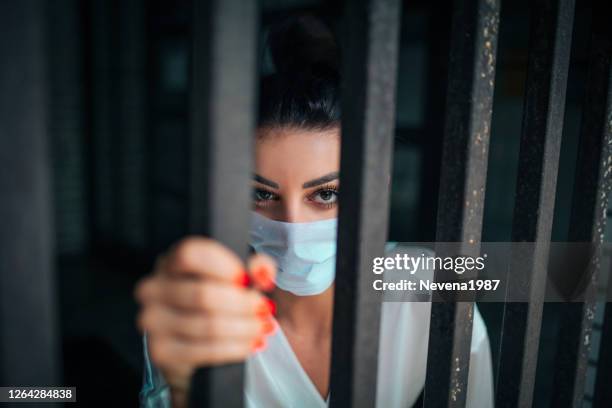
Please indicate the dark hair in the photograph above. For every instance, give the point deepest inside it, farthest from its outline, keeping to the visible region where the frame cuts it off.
(303, 90)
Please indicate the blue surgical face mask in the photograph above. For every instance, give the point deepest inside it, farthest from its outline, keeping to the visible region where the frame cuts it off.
(305, 252)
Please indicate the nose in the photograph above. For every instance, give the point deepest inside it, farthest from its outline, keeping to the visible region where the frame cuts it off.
(294, 209)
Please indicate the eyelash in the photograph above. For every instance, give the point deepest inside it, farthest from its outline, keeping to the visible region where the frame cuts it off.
(329, 187)
(265, 202)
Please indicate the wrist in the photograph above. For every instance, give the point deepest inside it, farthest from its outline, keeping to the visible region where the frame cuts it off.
(179, 397)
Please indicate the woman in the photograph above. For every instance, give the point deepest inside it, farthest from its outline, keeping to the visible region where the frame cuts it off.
(203, 306)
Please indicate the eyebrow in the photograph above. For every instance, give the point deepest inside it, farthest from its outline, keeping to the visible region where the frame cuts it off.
(321, 180)
(312, 183)
(265, 181)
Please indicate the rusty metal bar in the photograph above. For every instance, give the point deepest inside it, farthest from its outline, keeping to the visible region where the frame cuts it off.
(29, 349)
(588, 217)
(222, 133)
(368, 106)
(549, 55)
(462, 186)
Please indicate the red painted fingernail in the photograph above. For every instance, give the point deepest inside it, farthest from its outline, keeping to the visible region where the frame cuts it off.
(262, 309)
(258, 345)
(271, 306)
(263, 276)
(268, 327)
(265, 308)
(242, 279)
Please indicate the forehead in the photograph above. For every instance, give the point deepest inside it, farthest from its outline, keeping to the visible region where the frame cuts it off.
(296, 153)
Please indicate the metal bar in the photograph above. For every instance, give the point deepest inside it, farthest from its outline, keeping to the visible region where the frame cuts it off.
(462, 185)
(368, 106)
(101, 122)
(588, 217)
(549, 55)
(115, 137)
(29, 349)
(603, 392)
(65, 125)
(438, 33)
(131, 144)
(222, 132)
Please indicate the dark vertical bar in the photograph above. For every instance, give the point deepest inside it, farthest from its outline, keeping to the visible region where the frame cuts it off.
(101, 123)
(438, 33)
(222, 132)
(368, 106)
(588, 217)
(65, 119)
(131, 89)
(603, 391)
(113, 159)
(28, 345)
(86, 98)
(462, 187)
(549, 54)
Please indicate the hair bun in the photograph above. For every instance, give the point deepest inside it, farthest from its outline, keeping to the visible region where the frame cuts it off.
(303, 45)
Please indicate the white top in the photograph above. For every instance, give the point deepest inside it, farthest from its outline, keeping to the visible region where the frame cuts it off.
(275, 378)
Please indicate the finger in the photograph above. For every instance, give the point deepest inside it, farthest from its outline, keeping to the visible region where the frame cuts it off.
(207, 258)
(205, 296)
(158, 319)
(167, 351)
(147, 289)
(147, 286)
(262, 270)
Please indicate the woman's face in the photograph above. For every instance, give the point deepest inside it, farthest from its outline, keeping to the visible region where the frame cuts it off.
(296, 174)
